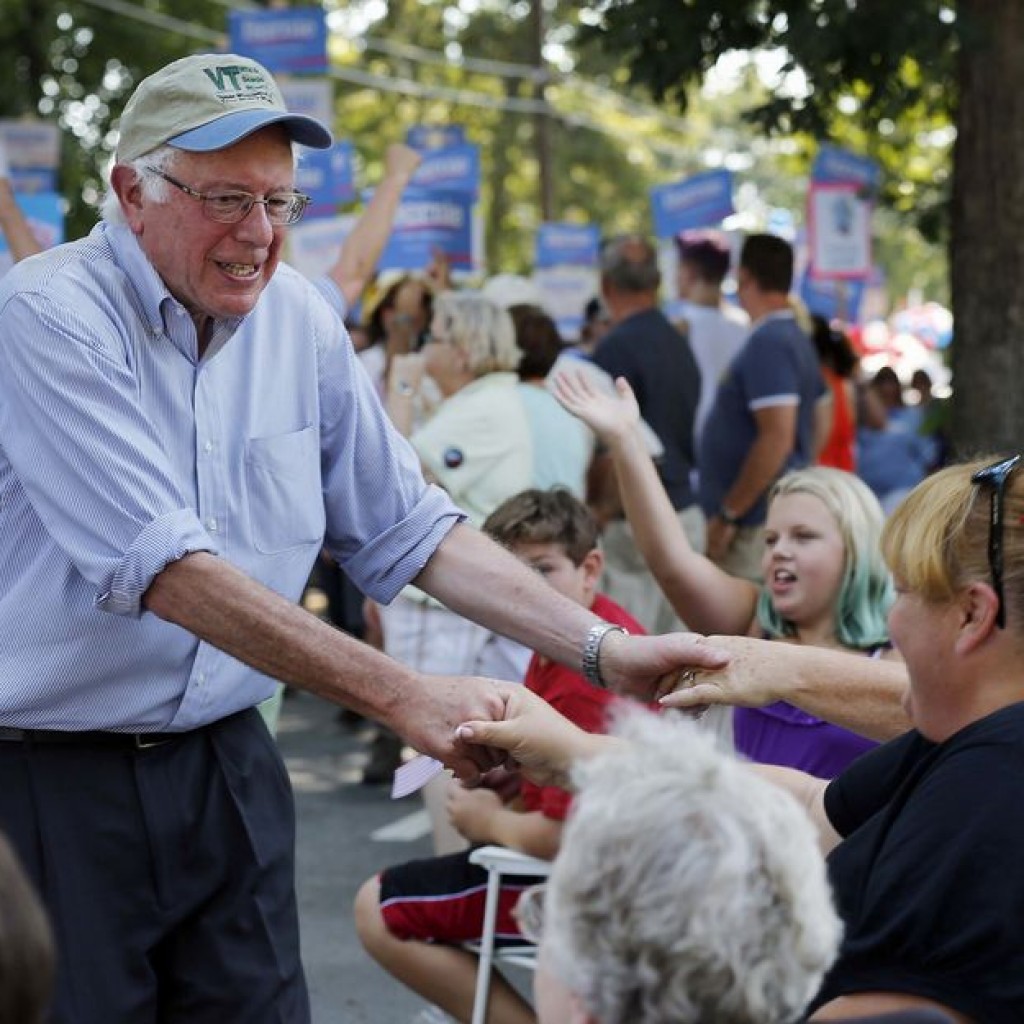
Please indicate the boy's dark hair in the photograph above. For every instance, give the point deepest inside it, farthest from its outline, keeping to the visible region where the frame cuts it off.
(555, 516)
(26, 946)
(706, 252)
(769, 261)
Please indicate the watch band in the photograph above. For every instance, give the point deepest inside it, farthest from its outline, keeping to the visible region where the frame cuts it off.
(590, 661)
(728, 517)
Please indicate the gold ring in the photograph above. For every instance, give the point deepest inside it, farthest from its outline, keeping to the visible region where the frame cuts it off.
(689, 677)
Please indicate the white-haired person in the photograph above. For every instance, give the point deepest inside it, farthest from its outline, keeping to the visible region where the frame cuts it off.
(687, 891)
(825, 583)
(925, 833)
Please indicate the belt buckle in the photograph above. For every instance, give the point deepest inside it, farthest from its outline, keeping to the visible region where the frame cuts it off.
(143, 741)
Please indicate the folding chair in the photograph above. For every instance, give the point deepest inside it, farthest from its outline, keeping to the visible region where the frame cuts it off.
(499, 861)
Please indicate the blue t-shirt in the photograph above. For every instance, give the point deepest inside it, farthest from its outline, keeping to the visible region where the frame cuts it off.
(777, 366)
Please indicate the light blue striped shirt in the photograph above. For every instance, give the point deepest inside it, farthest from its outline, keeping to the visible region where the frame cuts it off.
(121, 451)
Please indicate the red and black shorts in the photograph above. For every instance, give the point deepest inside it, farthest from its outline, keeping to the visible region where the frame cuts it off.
(441, 899)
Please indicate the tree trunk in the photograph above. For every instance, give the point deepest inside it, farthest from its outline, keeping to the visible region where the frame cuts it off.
(987, 239)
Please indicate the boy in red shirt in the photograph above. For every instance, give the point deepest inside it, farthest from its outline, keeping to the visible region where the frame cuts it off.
(412, 918)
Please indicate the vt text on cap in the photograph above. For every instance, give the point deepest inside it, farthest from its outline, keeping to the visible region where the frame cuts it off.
(206, 102)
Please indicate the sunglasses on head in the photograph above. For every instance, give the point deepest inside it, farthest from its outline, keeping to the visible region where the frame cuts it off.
(996, 477)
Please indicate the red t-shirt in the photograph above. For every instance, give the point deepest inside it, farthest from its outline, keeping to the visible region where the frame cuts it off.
(571, 695)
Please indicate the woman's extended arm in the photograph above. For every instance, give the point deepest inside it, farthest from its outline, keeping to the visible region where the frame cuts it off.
(864, 695)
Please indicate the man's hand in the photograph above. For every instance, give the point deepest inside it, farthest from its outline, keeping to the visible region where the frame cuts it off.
(648, 666)
(431, 711)
(472, 811)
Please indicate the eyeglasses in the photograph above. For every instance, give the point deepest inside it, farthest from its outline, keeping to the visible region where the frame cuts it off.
(996, 476)
(529, 913)
(232, 207)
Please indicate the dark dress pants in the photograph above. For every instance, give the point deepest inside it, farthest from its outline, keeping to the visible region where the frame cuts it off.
(168, 873)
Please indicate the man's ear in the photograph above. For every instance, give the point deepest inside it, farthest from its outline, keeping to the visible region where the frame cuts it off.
(979, 609)
(127, 187)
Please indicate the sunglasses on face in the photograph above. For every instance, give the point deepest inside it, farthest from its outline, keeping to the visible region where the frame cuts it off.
(995, 477)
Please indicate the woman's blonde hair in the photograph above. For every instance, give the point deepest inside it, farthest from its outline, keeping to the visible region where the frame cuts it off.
(936, 542)
(482, 329)
(865, 595)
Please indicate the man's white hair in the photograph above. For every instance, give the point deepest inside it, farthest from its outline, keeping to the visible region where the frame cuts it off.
(688, 889)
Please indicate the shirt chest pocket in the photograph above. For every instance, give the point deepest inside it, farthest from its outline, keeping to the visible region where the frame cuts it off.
(282, 475)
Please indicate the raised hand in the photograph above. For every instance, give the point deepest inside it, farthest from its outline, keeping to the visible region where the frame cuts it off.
(612, 415)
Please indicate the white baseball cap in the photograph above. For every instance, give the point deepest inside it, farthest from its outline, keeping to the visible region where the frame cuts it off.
(206, 102)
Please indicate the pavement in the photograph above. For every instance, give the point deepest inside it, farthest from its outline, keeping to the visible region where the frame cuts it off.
(345, 832)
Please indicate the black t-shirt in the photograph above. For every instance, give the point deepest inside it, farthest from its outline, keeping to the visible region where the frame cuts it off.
(929, 878)
(656, 360)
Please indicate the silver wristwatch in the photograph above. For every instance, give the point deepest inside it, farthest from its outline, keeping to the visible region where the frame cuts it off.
(591, 658)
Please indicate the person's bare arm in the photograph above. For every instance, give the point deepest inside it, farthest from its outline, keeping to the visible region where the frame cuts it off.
(809, 792)
(20, 239)
(221, 605)
(824, 417)
(481, 817)
(479, 579)
(361, 250)
(702, 595)
(862, 694)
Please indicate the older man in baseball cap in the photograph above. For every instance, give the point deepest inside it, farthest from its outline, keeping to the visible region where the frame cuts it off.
(183, 426)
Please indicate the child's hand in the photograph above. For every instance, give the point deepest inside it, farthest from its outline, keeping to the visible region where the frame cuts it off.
(471, 811)
(613, 416)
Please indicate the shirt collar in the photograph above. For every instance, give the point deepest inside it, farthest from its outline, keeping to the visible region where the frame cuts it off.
(155, 299)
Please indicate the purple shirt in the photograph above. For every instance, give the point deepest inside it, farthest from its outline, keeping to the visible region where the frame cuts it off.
(784, 735)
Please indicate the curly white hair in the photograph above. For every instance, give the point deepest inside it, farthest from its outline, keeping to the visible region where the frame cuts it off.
(687, 889)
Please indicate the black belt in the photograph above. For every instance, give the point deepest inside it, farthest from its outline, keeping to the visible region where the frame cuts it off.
(115, 740)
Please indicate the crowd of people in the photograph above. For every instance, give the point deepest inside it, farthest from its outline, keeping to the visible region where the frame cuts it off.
(685, 606)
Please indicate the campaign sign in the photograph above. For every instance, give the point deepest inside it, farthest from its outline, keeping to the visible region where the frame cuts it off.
(327, 176)
(289, 39)
(314, 245)
(33, 179)
(435, 136)
(832, 299)
(31, 144)
(426, 221)
(45, 215)
(838, 231)
(454, 169)
(567, 245)
(833, 164)
(698, 202)
(313, 97)
(564, 292)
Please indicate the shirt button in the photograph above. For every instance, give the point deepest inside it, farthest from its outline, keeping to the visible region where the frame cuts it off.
(201, 679)
(211, 524)
(208, 447)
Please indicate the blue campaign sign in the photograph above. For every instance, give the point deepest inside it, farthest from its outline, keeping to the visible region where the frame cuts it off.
(327, 176)
(453, 169)
(702, 201)
(567, 245)
(33, 179)
(427, 221)
(435, 136)
(831, 299)
(289, 39)
(836, 165)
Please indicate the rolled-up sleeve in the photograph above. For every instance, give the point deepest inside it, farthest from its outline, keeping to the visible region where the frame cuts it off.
(383, 520)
